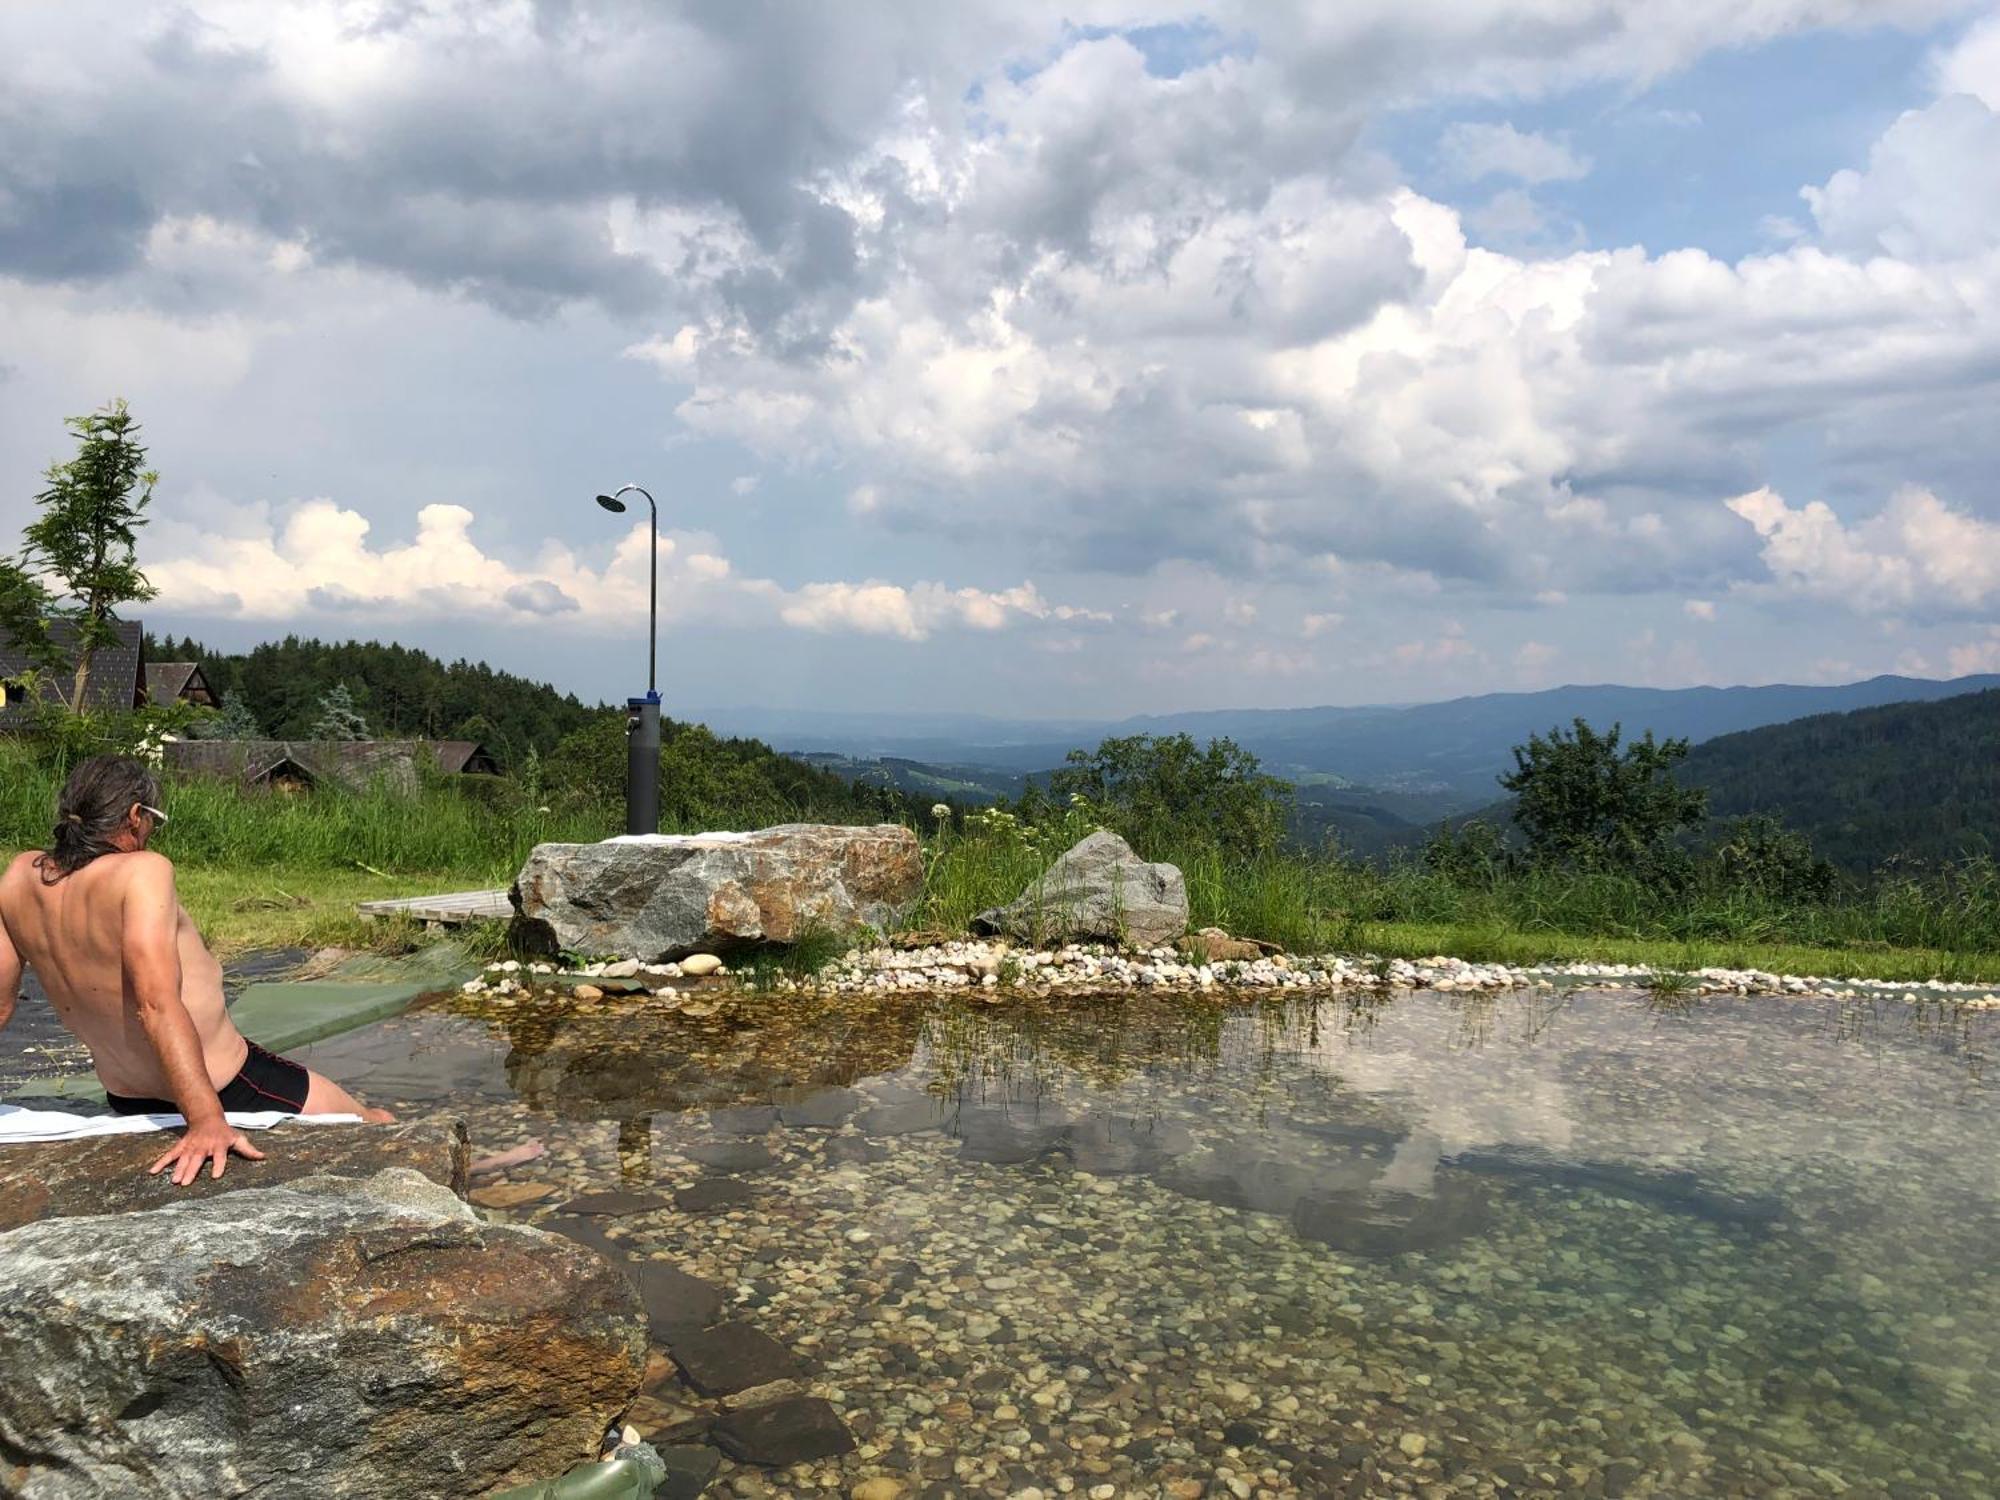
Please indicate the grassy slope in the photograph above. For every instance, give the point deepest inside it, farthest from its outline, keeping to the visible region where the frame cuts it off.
(261, 871)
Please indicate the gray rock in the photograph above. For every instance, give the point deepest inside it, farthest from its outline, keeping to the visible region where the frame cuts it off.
(714, 1195)
(328, 1337)
(107, 1174)
(689, 1470)
(787, 1432)
(613, 1204)
(1100, 891)
(666, 897)
(676, 1303)
(817, 1108)
(733, 1156)
(732, 1357)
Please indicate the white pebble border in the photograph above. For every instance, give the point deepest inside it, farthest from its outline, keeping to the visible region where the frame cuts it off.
(1003, 968)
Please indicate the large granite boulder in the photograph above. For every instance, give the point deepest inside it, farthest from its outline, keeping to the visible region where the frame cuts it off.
(106, 1174)
(1100, 891)
(668, 896)
(334, 1336)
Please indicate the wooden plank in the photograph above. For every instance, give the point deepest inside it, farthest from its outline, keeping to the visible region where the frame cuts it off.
(456, 906)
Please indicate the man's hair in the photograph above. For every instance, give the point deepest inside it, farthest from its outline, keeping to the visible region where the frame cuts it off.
(92, 809)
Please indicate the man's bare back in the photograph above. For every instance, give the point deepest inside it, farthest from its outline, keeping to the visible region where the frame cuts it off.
(129, 975)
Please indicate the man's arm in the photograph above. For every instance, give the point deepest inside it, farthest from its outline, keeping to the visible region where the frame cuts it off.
(10, 976)
(151, 956)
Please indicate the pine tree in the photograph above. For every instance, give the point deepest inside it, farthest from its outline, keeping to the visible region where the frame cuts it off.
(236, 722)
(338, 718)
(85, 541)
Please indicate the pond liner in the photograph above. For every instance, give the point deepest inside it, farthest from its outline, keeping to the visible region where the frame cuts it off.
(283, 1016)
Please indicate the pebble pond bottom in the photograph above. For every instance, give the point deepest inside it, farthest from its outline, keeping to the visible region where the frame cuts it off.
(1521, 1244)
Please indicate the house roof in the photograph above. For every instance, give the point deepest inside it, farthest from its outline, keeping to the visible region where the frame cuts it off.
(352, 762)
(464, 758)
(115, 670)
(167, 681)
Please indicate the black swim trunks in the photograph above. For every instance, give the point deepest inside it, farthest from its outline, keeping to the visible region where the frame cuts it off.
(266, 1081)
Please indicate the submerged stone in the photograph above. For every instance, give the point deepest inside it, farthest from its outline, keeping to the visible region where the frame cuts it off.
(911, 1118)
(689, 1470)
(1379, 1224)
(818, 1108)
(793, 1431)
(675, 1302)
(995, 1135)
(614, 1204)
(732, 1357)
(743, 1119)
(713, 1195)
(733, 1156)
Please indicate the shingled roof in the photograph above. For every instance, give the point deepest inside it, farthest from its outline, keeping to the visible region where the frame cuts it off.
(116, 671)
(179, 681)
(353, 763)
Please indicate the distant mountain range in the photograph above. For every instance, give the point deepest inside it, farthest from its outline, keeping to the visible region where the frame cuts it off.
(1374, 767)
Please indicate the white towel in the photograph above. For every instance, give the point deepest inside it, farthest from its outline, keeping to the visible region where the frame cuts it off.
(23, 1127)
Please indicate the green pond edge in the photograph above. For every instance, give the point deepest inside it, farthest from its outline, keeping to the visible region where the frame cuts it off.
(280, 1015)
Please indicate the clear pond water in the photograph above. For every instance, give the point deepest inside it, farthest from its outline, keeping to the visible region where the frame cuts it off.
(1526, 1244)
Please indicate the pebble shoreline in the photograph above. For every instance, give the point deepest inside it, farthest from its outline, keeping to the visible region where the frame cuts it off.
(1006, 970)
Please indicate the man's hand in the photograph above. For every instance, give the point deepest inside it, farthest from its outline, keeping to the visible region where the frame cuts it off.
(215, 1139)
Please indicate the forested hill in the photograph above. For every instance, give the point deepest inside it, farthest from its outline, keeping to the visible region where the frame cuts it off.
(578, 749)
(397, 689)
(1916, 779)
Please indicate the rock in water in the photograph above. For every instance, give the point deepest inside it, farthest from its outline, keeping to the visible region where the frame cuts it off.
(329, 1337)
(106, 1174)
(1100, 891)
(667, 897)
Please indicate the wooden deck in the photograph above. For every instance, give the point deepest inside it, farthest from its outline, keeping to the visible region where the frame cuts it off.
(444, 911)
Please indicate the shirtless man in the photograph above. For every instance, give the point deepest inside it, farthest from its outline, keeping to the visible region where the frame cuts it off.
(97, 917)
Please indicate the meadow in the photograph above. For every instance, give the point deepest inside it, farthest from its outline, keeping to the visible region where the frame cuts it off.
(263, 870)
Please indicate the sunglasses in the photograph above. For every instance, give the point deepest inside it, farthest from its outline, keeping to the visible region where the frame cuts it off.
(157, 816)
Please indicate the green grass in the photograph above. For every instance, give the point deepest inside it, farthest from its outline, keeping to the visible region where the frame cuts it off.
(1498, 945)
(1943, 927)
(262, 870)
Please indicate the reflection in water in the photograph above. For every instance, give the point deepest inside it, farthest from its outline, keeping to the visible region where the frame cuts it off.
(1578, 1243)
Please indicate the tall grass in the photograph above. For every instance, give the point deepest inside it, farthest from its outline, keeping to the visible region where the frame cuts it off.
(1945, 924)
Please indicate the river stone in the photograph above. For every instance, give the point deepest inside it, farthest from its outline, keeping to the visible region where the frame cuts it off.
(106, 1174)
(733, 1156)
(911, 1118)
(328, 1337)
(614, 1204)
(1382, 1224)
(690, 1467)
(714, 1195)
(793, 1431)
(664, 897)
(743, 1119)
(732, 1357)
(676, 1303)
(817, 1108)
(1100, 891)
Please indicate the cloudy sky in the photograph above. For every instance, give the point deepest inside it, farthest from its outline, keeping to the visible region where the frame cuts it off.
(1093, 358)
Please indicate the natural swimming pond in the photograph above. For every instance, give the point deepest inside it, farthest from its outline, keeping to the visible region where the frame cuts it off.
(1518, 1244)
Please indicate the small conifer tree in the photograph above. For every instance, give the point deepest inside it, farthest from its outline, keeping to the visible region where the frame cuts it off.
(338, 718)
